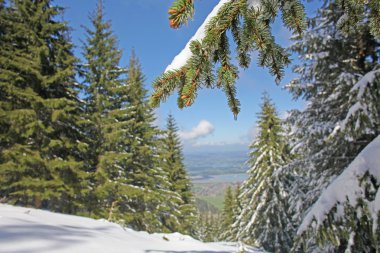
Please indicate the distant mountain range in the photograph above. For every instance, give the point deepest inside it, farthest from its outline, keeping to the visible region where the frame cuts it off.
(216, 163)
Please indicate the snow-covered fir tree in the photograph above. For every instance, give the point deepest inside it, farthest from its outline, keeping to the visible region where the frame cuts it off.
(184, 211)
(264, 220)
(42, 146)
(206, 60)
(339, 78)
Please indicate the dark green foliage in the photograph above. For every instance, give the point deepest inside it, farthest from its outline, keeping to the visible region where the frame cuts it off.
(228, 214)
(230, 228)
(2, 18)
(230, 233)
(349, 223)
(129, 185)
(99, 157)
(331, 133)
(41, 141)
(355, 14)
(143, 165)
(330, 130)
(179, 182)
(106, 95)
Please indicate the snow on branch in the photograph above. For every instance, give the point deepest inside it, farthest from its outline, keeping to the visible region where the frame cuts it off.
(360, 86)
(364, 81)
(347, 188)
(180, 60)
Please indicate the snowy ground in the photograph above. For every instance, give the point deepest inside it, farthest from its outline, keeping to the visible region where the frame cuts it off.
(26, 230)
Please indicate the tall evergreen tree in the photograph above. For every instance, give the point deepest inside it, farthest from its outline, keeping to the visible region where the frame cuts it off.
(148, 207)
(264, 220)
(41, 143)
(106, 97)
(179, 181)
(230, 233)
(339, 78)
(228, 214)
(339, 112)
(209, 226)
(127, 178)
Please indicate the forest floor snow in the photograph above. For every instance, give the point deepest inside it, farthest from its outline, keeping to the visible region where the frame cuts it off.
(27, 230)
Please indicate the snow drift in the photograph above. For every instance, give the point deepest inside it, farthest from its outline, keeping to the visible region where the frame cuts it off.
(29, 230)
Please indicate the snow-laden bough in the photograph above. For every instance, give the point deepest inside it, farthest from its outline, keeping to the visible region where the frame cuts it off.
(181, 59)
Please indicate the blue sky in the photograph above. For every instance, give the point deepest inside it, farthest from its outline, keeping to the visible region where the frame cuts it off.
(207, 125)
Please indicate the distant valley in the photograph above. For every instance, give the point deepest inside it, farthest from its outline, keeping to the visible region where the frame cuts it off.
(216, 163)
(212, 173)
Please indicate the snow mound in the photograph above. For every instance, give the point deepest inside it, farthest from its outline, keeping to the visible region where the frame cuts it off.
(29, 230)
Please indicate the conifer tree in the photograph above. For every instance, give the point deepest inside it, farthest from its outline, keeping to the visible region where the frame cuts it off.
(149, 208)
(127, 178)
(178, 178)
(228, 214)
(2, 15)
(106, 90)
(264, 219)
(345, 218)
(230, 234)
(342, 114)
(206, 60)
(209, 226)
(41, 141)
(339, 78)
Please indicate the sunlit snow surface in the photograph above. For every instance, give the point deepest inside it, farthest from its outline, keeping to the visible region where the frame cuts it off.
(25, 230)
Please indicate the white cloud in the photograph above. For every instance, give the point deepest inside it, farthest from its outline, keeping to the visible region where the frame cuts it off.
(203, 128)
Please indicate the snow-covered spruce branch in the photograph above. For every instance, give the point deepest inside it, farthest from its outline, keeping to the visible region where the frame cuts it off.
(206, 59)
(352, 200)
(362, 105)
